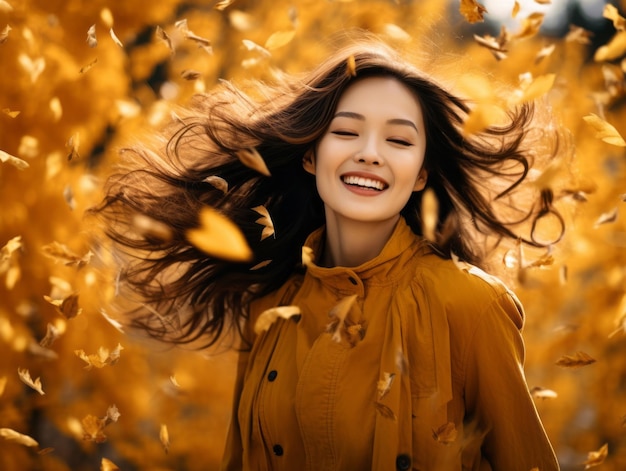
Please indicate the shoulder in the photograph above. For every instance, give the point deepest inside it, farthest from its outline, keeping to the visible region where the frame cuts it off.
(464, 291)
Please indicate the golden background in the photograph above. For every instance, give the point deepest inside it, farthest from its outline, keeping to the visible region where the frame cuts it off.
(70, 95)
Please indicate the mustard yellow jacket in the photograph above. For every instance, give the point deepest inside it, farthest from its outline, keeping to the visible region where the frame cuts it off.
(423, 372)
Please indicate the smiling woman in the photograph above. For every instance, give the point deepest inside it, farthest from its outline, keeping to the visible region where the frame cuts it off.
(364, 344)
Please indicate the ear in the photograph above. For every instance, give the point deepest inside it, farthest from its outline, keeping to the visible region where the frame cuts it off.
(422, 178)
(308, 161)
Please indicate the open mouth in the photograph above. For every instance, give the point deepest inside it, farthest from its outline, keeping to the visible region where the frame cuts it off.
(366, 183)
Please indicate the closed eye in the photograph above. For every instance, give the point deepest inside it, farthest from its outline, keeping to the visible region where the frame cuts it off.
(344, 133)
(401, 142)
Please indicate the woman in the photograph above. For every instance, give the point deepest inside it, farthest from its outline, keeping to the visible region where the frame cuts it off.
(388, 352)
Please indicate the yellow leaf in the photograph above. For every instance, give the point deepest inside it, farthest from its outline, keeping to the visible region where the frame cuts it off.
(575, 361)
(219, 237)
(10, 113)
(396, 33)
(472, 11)
(533, 90)
(222, 4)
(100, 359)
(595, 458)
(252, 46)
(4, 34)
(88, 67)
(12, 435)
(251, 158)
(108, 465)
(613, 50)
(530, 25)
(266, 221)
(16, 162)
(612, 13)
(605, 131)
(164, 436)
(269, 316)
(24, 375)
(446, 434)
(430, 214)
(279, 39)
(91, 36)
(483, 116)
(516, 8)
(53, 332)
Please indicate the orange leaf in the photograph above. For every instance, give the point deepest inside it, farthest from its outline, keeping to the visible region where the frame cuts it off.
(472, 11)
(595, 458)
(251, 158)
(279, 39)
(12, 435)
(266, 221)
(575, 361)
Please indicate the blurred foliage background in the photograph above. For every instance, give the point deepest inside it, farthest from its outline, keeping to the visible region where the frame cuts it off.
(79, 79)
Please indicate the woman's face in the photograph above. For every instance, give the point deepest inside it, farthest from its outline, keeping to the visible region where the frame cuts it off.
(370, 159)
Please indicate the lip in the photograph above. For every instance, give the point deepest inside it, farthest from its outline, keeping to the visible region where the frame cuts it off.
(360, 190)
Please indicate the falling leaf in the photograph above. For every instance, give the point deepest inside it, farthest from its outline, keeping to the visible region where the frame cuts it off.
(161, 35)
(5, 6)
(107, 17)
(219, 237)
(266, 221)
(446, 434)
(15, 161)
(100, 359)
(217, 182)
(384, 385)
(596, 458)
(108, 465)
(190, 74)
(269, 316)
(93, 427)
(10, 113)
(12, 435)
(52, 334)
(72, 146)
(242, 21)
(578, 35)
(252, 46)
(151, 228)
(67, 307)
(351, 66)
(545, 51)
(251, 158)
(260, 265)
(61, 253)
(165, 438)
(396, 33)
(516, 9)
(91, 36)
(4, 34)
(429, 214)
(116, 40)
(612, 13)
(472, 11)
(24, 375)
(190, 35)
(534, 89)
(543, 393)
(530, 26)
(604, 130)
(606, 218)
(34, 67)
(613, 50)
(543, 2)
(575, 361)
(223, 4)
(88, 67)
(279, 39)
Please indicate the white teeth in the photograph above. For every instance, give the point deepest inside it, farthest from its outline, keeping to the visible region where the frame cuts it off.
(365, 182)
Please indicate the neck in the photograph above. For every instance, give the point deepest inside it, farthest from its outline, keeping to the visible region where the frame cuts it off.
(351, 243)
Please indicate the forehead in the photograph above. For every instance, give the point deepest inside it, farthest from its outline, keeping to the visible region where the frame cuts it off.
(383, 94)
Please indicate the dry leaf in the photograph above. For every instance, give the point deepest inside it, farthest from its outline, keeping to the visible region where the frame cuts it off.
(396, 33)
(606, 218)
(543, 393)
(62, 253)
(429, 214)
(472, 11)
(543, 2)
(88, 67)
(72, 145)
(93, 427)
(108, 465)
(217, 182)
(219, 237)
(595, 458)
(530, 26)
(266, 221)
(269, 316)
(242, 21)
(24, 375)
(578, 35)
(384, 385)
(612, 13)
(163, 36)
(338, 315)
(116, 40)
(34, 67)
(613, 50)
(91, 36)
(164, 436)
(15, 161)
(223, 4)
(385, 411)
(604, 130)
(260, 265)
(279, 39)
(68, 306)
(52, 334)
(251, 158)
(10, 114)
(203, 43)
(252, 46)
(446, 434)
(107, 17)
(4, 34)
(545, 51)
(575, 361)
(151, 228)
(12, 435)
(531, 89)
(100, 359)
(190, 74)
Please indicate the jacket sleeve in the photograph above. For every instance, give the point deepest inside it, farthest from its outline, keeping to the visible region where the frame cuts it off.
(497, 396)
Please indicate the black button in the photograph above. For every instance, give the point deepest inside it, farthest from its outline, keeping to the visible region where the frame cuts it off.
(272, 375)
(278, 450)
(403, 462)
(352, 280)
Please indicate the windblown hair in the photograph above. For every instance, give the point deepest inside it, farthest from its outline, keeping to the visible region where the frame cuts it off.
(186, 295)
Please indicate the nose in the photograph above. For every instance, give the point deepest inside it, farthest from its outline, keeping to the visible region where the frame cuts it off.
(369, 154)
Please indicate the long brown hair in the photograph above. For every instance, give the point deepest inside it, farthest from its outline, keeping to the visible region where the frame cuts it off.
(185, 295)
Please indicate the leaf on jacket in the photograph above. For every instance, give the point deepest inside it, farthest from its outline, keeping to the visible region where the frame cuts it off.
(269, 316)
(384, 385)
(446, 434)
(338, 316)
(219, 237)
(24, 375)
(575, 361)
(401, 362)
(266, 221)
(307, 256)
(596, 458)
(385, 411)
(12, 435)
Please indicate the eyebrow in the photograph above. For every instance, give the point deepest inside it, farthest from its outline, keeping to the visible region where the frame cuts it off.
(360, 117)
